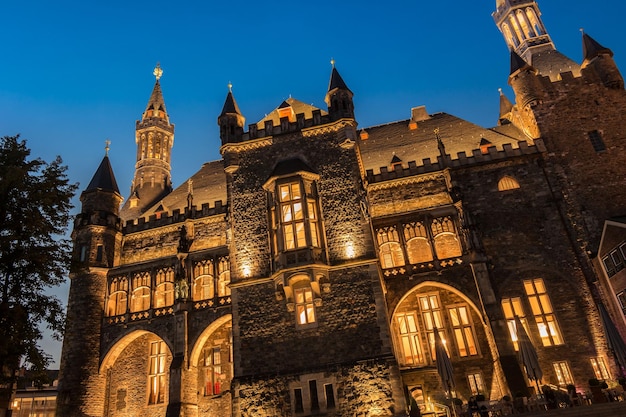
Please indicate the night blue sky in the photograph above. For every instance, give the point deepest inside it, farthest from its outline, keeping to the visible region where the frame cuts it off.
(75, 73)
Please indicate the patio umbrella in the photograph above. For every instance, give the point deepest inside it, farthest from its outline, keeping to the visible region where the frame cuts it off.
(444, 366)
(528, 354)
(614, 339)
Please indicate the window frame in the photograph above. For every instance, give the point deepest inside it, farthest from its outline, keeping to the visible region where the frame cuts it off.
(543, 312)
(157, 373)
(467, 332)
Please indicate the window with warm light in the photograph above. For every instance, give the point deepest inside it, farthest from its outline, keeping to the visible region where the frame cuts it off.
(542, 311)
(409, 338)
(445, 238)
(563, 374)
(140, 300)
(463, 331)
(513, 307)
(418, 246)
(223, 277)
(304, 305)
(204, 281)
(389, 247)
(476, 384)
(212, 370)
(507, 183)
(599, 368)
(164, 293)
(118, 296)
(156, 373)
(430, 308)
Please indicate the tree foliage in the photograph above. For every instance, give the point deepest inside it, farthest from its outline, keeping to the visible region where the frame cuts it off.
(35, 203)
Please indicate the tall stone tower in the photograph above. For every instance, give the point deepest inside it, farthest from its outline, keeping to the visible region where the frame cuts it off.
(97, 240)
(154, 136)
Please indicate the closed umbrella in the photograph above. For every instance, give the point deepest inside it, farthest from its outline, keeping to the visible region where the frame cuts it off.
(614, 339)
(444, 367)
(528, 354)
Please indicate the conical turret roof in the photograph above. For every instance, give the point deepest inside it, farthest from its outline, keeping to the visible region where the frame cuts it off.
(336, 81)
(518, 63)
(230, 105)
(156, 104)
(505, 107)
(591, 48)
(104, 179)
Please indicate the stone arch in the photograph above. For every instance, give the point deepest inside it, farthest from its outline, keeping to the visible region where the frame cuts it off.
(196, 351)
(122, 343)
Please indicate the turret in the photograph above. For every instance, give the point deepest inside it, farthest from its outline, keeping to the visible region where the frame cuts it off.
(230, 120)
(600, 60)
(506, 108)
(339, 97)
(154, 136)
(97, 239)
(529, 92)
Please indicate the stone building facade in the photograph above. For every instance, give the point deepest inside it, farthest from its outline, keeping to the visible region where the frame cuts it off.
(308, 270)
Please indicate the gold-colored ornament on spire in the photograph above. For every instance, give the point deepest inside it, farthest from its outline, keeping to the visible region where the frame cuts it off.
(332, 62)
(158, 72)
(230, 87)
(107, 146)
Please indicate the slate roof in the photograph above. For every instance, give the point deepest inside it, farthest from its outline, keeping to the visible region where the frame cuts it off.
(551, 63)
(208, 185)
(591, 48)
(230, 105)
(156, 102)
(103, 179)
(297, 106)
(458, 135)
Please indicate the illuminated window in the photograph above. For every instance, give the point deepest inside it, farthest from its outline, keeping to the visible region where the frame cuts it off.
(204, 282)
(408, 334)
(164, 294)
(507, 183)
(431, 314)
(212, 370)
(389, 246)
(223, 277)
(534, 22)
(513, 307)
(463, 331)
(417, 243)
(140, 300)
(156, 374)
(599, 368)
(304, 305)
(118, 295)
(563, 374)
(446, 241)
(475, 382)
(542, 311)
(521, 17)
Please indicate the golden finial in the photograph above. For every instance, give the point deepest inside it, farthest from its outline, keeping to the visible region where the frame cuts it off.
(107, 144)
(332, 62)
(158, 72)
(582, 30)
(500, 91)
(436, 132)
(230, 87)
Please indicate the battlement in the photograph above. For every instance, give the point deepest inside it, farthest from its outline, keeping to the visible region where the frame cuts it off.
(176, 216)
(478, 157)
(286, 125)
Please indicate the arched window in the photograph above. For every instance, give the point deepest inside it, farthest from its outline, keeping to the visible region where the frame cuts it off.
(521, 17)
(510, 36)
(118, 296)
(516, 28)
(507, 183)
(140, 300)
(164, 293)
(389, 246)
(204, 280)
(223, 277)
(417, 243)
(445, 238)
(534, 21)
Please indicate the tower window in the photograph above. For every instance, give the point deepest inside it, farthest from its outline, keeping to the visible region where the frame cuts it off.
(299, 405)
(542, 310)
(507, 183)
(595, 136)
(304, 305)
(99, 253)
(156, 377)
(330, 395)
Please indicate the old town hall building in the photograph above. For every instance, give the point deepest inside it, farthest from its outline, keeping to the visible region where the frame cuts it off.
(307, 271)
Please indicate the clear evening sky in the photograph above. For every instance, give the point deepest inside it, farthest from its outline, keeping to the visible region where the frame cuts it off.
(74, 73)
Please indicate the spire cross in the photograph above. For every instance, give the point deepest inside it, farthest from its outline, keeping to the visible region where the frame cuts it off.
(107, 144)
(158, 72)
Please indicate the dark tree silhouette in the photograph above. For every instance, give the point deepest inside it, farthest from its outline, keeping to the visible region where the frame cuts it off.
(35, 200)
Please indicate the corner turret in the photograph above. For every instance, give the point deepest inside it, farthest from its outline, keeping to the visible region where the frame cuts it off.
(230, 120)
(600, 60)
(154, 136)
(339, 97)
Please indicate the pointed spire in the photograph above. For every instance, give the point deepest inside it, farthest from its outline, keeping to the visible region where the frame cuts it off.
(518, 63)
(339, 97)
(104, 179)
(505, 109)
(156, 104)
(591, 48)
(230, 120)
(336, 81)
(230, 105)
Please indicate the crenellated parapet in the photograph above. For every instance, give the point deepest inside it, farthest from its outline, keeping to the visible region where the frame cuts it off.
(461, 159)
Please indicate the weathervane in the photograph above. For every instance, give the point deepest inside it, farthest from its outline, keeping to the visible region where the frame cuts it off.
(158, 72)
(107, 144)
